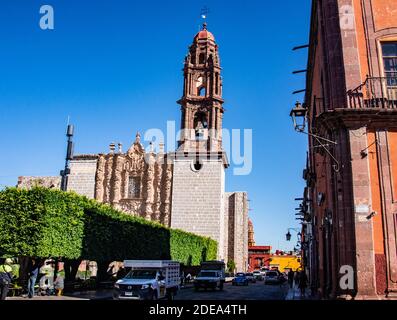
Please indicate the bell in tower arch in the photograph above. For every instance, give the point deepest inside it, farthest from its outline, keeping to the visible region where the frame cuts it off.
(200, 125)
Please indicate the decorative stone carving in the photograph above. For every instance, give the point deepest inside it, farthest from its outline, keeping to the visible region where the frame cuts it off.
(100, 176)
(108, 178)
(119, 162)
(167, 195)
(149, 186)
(158, 181)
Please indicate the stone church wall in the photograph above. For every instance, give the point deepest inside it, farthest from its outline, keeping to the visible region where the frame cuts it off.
(82, 176)
(198, 200)
(237, 232)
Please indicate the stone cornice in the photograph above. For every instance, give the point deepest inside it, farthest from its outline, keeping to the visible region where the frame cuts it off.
(351, 118)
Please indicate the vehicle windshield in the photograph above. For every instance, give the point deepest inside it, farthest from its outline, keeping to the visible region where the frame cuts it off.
(240, 274)
(249, 274)
(141, 274)
(271, 274)
(256, 272)
(207, 274)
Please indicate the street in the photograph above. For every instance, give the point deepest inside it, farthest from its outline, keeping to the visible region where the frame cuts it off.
(254, 291)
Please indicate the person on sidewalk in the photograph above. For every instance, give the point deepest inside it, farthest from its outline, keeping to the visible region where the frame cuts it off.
(291, 278)
(34, 267)
(5, 278)
(302, 283)
(59, 285)
(296, 279)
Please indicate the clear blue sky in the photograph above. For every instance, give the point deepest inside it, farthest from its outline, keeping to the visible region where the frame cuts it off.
(115, 68)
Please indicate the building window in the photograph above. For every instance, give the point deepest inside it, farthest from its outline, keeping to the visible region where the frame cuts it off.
(389, 52)
(201, 58)
(134, 187)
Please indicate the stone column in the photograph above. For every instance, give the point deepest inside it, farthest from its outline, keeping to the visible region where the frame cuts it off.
(167, 195)
(150, 187)
(100, 176)
(119, 162)
(365, 255)
(158, 175)
(108, 178)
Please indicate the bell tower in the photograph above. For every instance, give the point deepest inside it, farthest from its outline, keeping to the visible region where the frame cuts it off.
(198, 183)
(201, 103)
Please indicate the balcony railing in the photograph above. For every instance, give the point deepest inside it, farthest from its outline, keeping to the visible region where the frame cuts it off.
(380, 92)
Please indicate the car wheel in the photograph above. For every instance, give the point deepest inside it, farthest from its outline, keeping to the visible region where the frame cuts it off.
(170, 296)
(153, 296)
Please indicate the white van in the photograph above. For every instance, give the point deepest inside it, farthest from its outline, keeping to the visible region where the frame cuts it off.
(148, 280)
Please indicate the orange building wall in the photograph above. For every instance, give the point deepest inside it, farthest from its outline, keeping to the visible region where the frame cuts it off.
(392, 139)
(361, 42)
(385, 13)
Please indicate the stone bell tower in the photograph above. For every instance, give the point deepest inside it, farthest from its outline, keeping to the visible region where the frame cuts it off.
(201, 103)
(198, 191)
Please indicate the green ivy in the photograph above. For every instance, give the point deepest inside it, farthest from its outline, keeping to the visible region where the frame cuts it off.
(51, 223)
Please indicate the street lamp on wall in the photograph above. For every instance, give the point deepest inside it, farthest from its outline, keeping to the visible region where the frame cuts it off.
(288, 234)
(298, 115)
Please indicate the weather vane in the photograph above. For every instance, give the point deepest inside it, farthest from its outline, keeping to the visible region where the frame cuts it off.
(204, 12)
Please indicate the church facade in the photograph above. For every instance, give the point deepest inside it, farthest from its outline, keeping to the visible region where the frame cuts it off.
(183, 189)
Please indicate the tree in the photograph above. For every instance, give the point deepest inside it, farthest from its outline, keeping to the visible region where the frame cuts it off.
(231, 266)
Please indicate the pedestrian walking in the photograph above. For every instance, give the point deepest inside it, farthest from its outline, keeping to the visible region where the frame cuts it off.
(5, 278)
(182, 278)
(59, 285)
(296, 279)
(302, 282)
(291, 278)
(34, 267)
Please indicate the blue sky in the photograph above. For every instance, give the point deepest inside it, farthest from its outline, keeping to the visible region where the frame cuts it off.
(115, 67)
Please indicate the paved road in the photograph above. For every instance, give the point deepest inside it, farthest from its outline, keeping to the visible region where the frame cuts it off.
(254, 291)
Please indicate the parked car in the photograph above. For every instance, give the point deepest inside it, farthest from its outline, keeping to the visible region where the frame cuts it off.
(211, 275)
(272, 277)
(258, 275)
(250, 277)
(263, 271)
(240, 279)
(282, 276)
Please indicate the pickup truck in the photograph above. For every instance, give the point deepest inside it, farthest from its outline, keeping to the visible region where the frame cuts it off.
(148, 280)
(211, 275)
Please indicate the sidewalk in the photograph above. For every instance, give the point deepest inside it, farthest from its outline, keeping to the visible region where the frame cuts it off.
(295, 294)
(83, 295)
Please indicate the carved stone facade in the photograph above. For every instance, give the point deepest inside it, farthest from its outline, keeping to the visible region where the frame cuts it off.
(135, 182)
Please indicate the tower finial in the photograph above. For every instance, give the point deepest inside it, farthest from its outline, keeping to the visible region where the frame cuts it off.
(204, 13)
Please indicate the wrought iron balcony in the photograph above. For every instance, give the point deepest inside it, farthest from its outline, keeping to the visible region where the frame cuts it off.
(375, 92)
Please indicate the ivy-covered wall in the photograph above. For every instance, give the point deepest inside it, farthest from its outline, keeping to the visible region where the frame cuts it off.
(51, 223)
